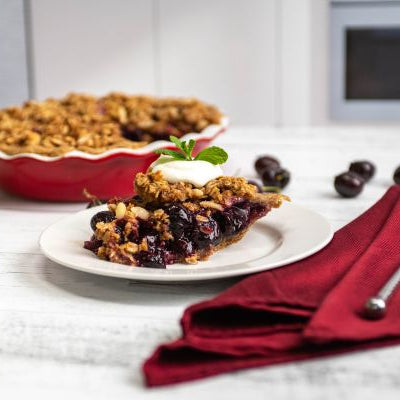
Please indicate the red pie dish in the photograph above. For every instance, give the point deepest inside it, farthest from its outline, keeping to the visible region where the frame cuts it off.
(106, 175)
(55, 149)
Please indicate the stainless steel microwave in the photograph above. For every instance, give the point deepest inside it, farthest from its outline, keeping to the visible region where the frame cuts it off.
(365, 60)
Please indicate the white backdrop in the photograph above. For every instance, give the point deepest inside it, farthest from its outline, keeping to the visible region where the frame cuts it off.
(262, 61)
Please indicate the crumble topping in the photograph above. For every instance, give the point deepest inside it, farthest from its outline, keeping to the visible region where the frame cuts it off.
(153, 188)
(96, 124)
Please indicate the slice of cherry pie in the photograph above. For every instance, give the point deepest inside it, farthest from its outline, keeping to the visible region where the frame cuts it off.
(177, 222)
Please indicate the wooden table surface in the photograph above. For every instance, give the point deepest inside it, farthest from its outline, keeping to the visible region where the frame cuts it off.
(68, 334)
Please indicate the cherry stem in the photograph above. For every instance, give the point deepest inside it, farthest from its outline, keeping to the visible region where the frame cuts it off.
(273, 189)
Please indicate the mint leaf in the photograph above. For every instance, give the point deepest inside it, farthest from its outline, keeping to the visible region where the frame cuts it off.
(180, 145)
(163, 160)
(172, 153)
(214, 155)
(190, 147)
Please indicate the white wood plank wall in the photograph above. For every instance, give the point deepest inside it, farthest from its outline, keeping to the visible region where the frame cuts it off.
(13, 58)
(222, 51)
(93, 46)
(252, 58)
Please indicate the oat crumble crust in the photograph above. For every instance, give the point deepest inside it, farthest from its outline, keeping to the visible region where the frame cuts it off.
(154, 192)
(96, 124)
(153, 188)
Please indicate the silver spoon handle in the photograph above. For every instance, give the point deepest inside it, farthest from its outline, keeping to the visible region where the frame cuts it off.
(390, 286)
(375, 307)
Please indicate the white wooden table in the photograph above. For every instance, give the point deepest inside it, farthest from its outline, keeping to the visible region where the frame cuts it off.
(67, 334)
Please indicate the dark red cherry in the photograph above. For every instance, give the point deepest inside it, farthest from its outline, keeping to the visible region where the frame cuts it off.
(180, 219)
(93, 244)
(234, 219)
(363, 168)
(207, 233)
(151, 260)
(102, 216)
(264, 162)
(183, 246)
(349, 184)
(396, 176)
(278, 177)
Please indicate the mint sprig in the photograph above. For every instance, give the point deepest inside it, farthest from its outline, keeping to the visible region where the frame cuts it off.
(214, 155)
(172, 153)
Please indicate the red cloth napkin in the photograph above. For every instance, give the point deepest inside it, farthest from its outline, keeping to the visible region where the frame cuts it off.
(308, 309)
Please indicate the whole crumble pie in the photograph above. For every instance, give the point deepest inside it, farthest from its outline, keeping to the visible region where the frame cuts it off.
(96, 124)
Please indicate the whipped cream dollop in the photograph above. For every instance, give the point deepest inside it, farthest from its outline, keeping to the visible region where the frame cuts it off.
(197, 172)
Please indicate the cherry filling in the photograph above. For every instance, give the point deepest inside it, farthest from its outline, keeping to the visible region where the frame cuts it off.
(139, 135)
(192, 232)
(102, 216)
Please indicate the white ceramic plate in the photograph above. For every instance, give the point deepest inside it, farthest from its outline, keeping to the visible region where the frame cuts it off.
(287, 234)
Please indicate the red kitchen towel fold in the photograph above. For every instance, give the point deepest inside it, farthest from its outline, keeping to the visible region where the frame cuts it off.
(307, 309)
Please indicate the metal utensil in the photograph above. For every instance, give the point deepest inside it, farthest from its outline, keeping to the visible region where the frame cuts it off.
(375, 307)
